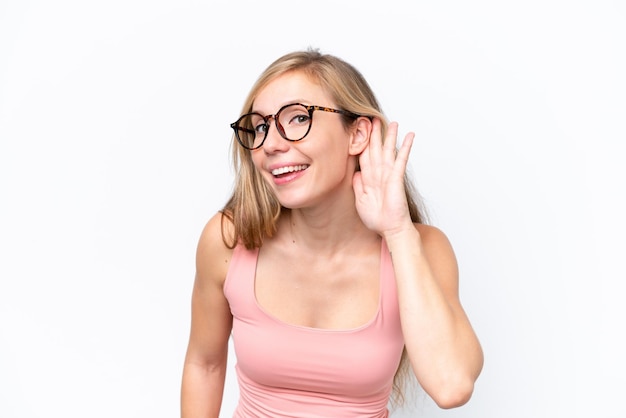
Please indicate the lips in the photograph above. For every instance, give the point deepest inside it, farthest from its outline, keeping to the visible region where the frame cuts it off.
(285, 170)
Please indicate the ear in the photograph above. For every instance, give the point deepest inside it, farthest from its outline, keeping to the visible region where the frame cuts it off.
(361, 132)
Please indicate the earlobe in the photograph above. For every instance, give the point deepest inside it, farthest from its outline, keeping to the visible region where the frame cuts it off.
(360, 135)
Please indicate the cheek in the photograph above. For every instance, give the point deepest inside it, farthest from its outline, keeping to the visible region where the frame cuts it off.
(257, 160)
(336, 153)
(331, 145)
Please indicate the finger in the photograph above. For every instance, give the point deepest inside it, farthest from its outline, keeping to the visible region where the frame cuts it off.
(370, 158)
(357, 184)
(391, 138)
(402, 158)
(390, 151)
(377, 132)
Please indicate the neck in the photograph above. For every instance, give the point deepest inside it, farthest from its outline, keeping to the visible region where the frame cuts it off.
(326, 230)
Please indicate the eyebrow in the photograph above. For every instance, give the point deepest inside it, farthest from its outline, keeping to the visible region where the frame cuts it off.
(295, 101)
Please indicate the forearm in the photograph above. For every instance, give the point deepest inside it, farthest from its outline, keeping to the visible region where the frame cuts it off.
(442, 346)
(202, 391)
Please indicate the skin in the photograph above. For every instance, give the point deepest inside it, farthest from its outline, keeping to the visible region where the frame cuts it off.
(333, 233)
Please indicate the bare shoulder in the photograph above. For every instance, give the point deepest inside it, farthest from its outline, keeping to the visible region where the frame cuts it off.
(213, 254)
(434, 239)
(211, 320)
(440, 254)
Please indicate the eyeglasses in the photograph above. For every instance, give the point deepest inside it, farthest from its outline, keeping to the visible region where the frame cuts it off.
(293, 122)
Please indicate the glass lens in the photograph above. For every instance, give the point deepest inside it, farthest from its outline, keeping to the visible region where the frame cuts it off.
(295, 121)
(251, 130)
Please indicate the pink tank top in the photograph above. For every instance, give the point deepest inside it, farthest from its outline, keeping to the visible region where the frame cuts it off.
(291, 371)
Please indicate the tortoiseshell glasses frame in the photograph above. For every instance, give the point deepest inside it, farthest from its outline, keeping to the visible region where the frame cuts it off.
(293, 122)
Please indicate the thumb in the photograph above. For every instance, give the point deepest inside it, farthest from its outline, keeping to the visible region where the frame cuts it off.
(357, 184)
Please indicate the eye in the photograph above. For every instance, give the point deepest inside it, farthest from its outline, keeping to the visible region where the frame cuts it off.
(261, 128)
(294, 115)
(257, 123)
(301, 119)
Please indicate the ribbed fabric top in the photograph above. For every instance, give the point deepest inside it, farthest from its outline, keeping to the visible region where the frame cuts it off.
(290, 371)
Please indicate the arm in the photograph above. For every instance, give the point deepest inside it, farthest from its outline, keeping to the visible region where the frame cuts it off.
(204, 369)
(443, 349)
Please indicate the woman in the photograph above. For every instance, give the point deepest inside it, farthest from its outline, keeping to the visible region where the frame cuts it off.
(320, 265)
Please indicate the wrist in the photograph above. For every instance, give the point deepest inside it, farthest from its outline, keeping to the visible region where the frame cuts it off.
(406, 231)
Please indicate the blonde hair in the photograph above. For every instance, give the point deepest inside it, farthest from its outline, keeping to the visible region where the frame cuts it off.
(253, 209)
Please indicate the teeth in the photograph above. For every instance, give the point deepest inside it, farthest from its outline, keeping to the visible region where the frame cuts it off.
(288, 169)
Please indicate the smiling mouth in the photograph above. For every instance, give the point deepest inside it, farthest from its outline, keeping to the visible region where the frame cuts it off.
(278, 172)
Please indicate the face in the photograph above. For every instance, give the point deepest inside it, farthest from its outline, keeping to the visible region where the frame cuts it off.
(317, 168)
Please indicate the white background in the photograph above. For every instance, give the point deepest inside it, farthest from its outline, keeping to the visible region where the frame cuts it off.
(114, 152)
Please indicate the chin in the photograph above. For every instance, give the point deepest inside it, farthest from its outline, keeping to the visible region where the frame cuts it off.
(292, 201)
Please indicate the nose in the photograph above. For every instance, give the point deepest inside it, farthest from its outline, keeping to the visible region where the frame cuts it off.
(274, 142)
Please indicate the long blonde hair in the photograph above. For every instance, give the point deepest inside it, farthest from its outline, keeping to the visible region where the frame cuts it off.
(253, 209)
